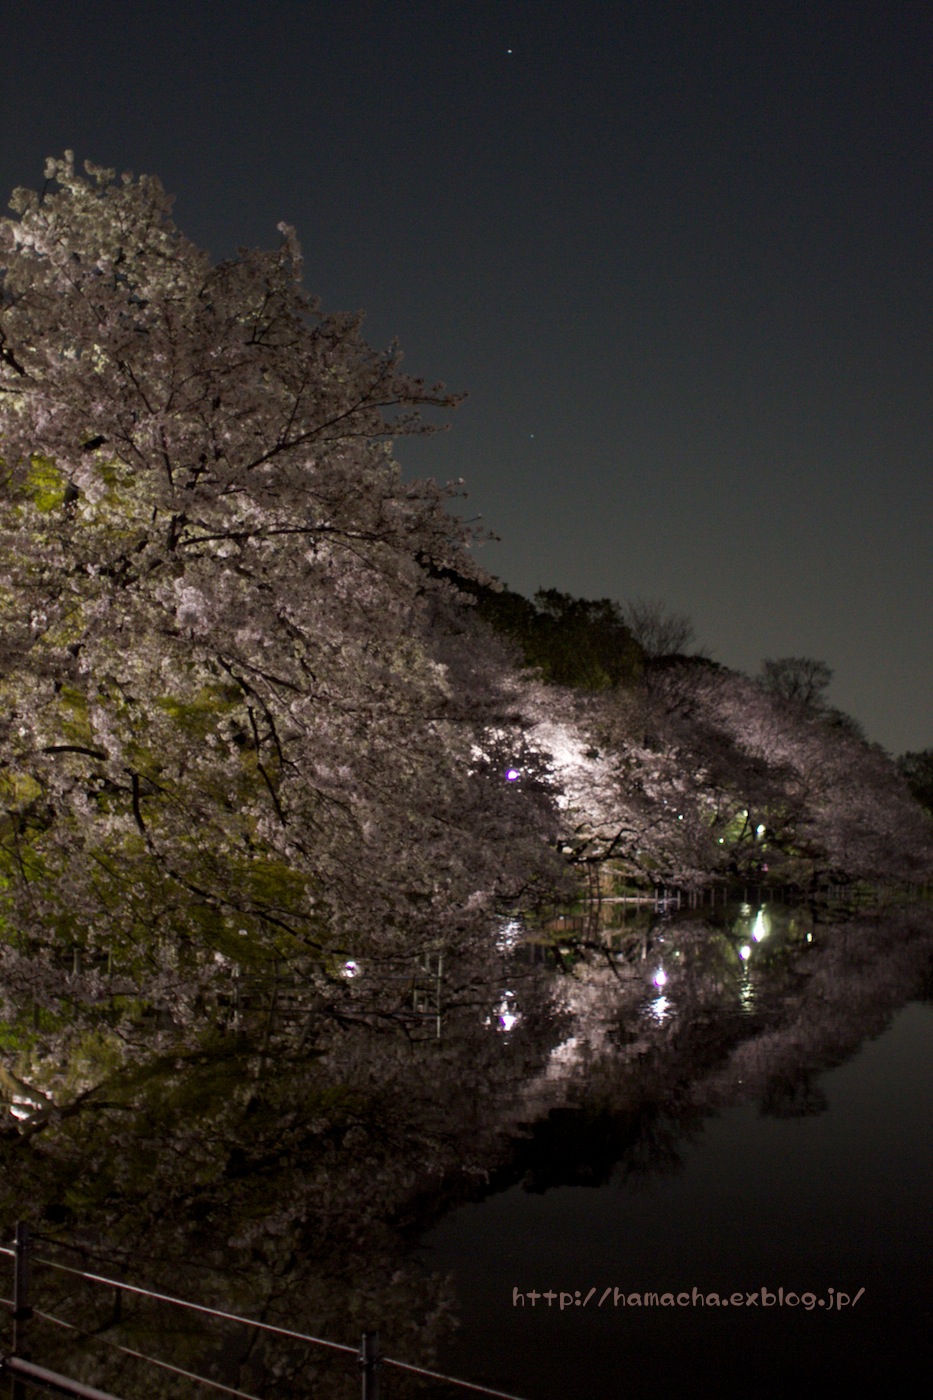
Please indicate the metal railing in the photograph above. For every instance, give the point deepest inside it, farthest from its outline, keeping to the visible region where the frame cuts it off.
(20, 1367)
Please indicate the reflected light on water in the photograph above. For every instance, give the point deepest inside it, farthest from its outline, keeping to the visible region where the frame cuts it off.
(505, 1017)
(661, 1008)
(508, 935)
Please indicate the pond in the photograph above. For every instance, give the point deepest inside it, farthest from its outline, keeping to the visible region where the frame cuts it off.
(814, 1232)
(735, 1105)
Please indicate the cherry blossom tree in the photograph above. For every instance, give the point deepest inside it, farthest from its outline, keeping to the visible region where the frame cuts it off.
(793, 787)
(226, 733)
(700, 774)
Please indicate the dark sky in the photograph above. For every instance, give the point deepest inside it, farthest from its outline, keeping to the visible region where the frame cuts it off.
(678, 254)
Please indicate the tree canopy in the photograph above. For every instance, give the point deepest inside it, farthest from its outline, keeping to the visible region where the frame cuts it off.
(226, 730)
(569, 641)
(799, 678)
(917, 771)
(258, 705)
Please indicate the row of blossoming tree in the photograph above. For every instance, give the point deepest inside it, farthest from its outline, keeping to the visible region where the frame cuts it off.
(251, 714)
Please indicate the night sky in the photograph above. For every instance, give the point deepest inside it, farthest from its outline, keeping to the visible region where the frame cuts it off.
(678, 254)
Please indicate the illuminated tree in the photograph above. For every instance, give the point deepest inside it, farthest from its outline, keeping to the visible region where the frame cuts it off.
(226, 734)
(702, 774)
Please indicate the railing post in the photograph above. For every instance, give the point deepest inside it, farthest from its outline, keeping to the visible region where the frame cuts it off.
(22, 1312)
(440, 974)
(369, 1364)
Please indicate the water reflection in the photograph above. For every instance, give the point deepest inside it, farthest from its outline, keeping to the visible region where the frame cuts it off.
(509, 934)
(506, 1015)
(660, 1008)
(287, 1169)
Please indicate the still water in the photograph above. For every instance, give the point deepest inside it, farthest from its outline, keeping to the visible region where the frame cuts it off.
(788, 1213)
(681, 1106)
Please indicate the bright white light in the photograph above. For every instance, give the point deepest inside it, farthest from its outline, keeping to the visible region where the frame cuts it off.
(759, 830)
(761, 927)
(511, 774)
(506, 1018)
(809, 937)
(350, 969)
(660, 977)
(745, 952)
(509, 934)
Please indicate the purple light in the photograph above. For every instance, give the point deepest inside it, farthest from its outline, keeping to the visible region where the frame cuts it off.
(511, 774)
